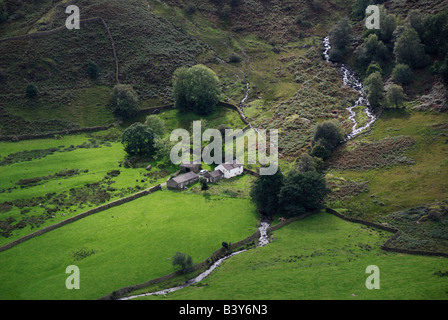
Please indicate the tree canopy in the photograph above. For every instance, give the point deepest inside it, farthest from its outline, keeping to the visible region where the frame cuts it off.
(329, 134)
(409, 49)
(196, 89)
(156, 124)
(124, 102)
(395, 95)
(138, 139)
(265, 191)
(375, 89)
(302, 192)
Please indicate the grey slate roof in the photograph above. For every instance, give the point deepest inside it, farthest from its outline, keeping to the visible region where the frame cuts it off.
(215, 174)
(232, 165)
(185, 177)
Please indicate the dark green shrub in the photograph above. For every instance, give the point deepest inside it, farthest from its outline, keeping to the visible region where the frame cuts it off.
(402, 73)
(234, 58)
(182, 262)
(31, 91)
(124, 102)
(190, 10)
(302, 192)
(92, 69)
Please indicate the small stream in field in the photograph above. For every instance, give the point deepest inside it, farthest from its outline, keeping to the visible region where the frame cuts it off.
(262, 241)
(350, 79)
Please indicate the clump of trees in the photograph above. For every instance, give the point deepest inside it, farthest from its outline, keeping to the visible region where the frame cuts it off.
(196, 89)
(340, 37)
(182, 262)
(409, 49)
(156, 124)
(124, 102)
(327, 136)
(148, 139)
(293, 194)
(406, 44)
(139, 140)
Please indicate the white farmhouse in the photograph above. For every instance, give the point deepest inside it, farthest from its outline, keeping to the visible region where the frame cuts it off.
(231, 169)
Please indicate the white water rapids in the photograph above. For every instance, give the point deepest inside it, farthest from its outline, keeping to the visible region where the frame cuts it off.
(350, 79)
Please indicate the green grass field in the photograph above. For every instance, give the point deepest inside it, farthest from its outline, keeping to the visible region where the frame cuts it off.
(132, 243)
(321, 257)
(30, 202)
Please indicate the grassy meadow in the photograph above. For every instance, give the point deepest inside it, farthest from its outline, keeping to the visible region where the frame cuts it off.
(321, 257)
(400, 186)
(77, 172)
(125, 245)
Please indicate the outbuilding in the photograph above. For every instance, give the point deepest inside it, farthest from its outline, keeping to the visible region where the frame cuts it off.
(213, 176)
(190, 167)
(182, 181)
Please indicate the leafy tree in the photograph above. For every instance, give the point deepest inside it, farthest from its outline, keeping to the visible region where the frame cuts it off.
(264, 192)
(375, 89)
(124, 102)
(92, 69)
(204, 185)
(3, 11)
(302, 192)
(409, 49)
(163, 148)
(341, 34)
(435, 37)
(373, 67)
(31, 91)
(329, 134)
(359, 9)
(320, 151)
(416, 20)
(402, 73)
(376, 50)
(395, 95)
(138, 139)
(336, 55)
(388, 23)
(196, 88)
(372, 50)
(156, 124)
(182, 262)
(306, 163)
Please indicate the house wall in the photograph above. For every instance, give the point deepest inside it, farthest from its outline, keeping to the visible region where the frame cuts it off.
(230, 174)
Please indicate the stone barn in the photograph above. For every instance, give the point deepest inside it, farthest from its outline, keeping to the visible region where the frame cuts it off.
(190, 167)
(182, 181)
(214, 176)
